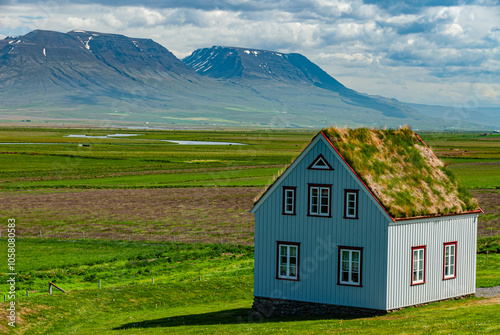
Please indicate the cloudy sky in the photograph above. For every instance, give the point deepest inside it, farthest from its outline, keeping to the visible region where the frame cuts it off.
(424, 51)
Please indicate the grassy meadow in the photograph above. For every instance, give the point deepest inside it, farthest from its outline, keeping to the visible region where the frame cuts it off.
(198, 288)
(131, 197)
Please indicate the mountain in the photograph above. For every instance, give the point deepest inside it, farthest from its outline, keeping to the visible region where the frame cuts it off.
(256, 67)
(108, 79)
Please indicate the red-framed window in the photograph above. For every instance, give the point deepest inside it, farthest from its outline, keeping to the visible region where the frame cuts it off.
(289, 193)
(350, 266)
(351, 204)
(418, 263)
(450, 260)
(319, 200)
(287, 262)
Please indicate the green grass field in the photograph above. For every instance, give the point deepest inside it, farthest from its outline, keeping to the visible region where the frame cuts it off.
(152, 190)
(197, 288)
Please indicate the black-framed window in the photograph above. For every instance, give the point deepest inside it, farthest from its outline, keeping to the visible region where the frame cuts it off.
(287, 262)
(319, 200)
(289, 194)
(350, 266)
(351, 204)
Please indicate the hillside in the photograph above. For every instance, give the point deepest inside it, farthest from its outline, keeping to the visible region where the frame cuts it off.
(98, 78)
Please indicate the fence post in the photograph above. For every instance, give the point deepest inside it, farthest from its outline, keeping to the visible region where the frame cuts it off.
(50, 288)
(83, 235)
(153, 280)
(27, 293)
(221, 241)
(40, 234)
(99, 284)
(129, 238)
(174, 238)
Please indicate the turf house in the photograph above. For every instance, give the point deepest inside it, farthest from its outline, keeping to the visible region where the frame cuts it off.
(363, 220)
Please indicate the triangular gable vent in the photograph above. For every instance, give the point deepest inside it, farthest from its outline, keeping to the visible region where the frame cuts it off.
(320, 163)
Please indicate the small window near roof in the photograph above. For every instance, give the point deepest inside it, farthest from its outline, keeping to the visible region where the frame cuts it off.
(319, 200)
(289, 200)
(320, 163)
(351, 204)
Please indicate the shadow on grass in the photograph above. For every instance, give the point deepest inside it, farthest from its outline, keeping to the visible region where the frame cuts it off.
(238, 316)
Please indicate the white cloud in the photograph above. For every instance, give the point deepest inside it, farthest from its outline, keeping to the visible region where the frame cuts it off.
(391, 50)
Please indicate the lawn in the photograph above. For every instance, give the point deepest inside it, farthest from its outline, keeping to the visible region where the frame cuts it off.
(197, 288)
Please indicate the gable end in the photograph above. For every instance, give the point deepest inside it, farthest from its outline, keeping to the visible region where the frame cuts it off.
(320, 163)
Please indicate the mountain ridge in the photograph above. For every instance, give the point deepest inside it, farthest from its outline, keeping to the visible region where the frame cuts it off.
(112, 78)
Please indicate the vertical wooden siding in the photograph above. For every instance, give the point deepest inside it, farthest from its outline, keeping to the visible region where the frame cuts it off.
(320, 238)
(433, 233)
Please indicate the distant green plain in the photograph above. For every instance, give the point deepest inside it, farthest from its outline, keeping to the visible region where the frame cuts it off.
(49, 159)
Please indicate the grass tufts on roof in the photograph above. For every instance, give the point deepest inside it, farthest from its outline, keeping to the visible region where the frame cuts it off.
(401, 171)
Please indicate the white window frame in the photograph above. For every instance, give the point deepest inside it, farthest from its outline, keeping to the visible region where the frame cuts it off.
(351, 204)
(350, 266)
(320, 205)
(418, 263)
(286, 260)
(289, 194)
(450, 260)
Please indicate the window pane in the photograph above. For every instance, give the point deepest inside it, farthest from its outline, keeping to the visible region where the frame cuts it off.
(283, 270)
(284, 260)
(293, 260)
(355, 266)
(293, 271)
(452, 270)
(324, 192)
(446, 271)
(421, 275)
(345, 255)
(345, 266)
(355, 256)
(345, 276)
(283, 250)
(293, 251)
(355, 277)
(421, 255)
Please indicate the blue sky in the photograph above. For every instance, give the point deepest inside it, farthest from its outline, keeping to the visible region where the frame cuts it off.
(423, 51)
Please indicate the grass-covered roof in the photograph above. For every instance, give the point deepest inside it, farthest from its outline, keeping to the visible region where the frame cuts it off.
(401, 171)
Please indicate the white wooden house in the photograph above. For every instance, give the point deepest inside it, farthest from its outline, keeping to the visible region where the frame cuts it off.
(367, 219)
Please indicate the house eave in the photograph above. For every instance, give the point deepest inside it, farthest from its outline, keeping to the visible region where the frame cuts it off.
(436, 216)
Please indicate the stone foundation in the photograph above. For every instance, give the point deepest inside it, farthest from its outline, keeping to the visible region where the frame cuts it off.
(269, 307)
